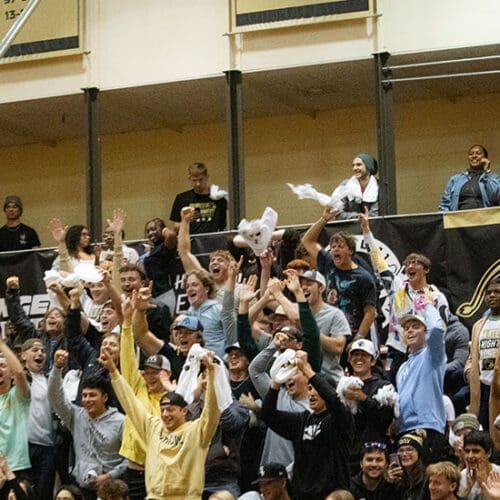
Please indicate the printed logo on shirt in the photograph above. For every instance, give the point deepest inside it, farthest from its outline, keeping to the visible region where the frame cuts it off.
(171, 440)
(311, 432)
(203, 212)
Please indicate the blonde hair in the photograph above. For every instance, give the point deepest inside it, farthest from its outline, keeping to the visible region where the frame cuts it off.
(449, 470)
(196, 169)
(221, 495)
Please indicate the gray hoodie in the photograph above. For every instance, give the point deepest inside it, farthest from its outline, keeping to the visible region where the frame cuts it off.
(96, 440)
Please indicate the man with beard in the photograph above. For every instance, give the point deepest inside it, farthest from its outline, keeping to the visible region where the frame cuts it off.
(370, 483)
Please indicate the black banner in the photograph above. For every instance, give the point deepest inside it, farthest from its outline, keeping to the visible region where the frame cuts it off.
(463, 247)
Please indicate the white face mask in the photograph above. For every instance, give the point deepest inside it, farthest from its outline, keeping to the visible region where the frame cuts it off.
(257, 233)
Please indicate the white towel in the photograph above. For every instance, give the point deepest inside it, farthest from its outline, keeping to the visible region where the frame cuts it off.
(216, 193)
(188, 380)
(307, 192)
(257, 233)
(352, 190)
(284, 367)
(387, 396)
(349, 383)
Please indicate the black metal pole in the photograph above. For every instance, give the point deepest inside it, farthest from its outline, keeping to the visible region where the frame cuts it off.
(385, 135)
(236, 168)
(94, 189)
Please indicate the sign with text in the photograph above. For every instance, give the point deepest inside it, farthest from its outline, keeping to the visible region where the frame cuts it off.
(53, 29)
(252, 15)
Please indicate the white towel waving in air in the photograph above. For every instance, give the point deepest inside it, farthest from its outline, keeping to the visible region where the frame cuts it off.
(257, 233)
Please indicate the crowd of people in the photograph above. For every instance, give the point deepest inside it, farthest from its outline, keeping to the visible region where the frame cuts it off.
(275, 382)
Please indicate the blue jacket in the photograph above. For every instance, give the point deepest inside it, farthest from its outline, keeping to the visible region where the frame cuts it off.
(420, 381)
(489, 184)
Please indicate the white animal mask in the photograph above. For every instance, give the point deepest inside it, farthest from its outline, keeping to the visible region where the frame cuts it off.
(257, 233)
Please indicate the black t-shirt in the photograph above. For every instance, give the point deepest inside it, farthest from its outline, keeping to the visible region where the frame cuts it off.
(21, 237)
(209, 216)
(355, 288)
(470, 194)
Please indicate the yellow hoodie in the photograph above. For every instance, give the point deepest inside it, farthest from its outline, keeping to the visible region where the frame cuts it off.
(133, 447)
(175, 461)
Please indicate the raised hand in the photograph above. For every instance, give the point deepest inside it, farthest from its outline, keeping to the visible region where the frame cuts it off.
(60, 358)
(275, 287)
(328, 214)
(117, 222)
(187, 214)
(141, 300)
(267, 258)
(12, 283)
(106, 360)
(292, 281)
(248, 291)
(363, 221)
(57, 229)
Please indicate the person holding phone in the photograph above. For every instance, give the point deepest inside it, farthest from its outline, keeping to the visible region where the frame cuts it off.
(476, 187)
(406, 468)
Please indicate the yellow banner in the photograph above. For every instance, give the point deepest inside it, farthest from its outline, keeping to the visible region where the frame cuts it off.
(471, 218)
(252, 15)
(54, 28)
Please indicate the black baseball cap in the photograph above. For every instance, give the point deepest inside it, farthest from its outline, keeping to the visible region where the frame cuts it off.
(270, 471)
(173, 399)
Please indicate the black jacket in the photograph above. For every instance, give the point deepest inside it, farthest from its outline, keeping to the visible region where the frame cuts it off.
(321, 441)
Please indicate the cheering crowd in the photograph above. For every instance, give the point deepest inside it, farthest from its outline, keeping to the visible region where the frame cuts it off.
(277, 381)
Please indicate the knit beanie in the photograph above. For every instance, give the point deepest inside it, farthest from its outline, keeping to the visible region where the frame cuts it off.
(414, 439)
(28, 344)
(15, 200)
(370, 162)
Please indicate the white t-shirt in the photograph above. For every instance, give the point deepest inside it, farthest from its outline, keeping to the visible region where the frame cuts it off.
(489, 342)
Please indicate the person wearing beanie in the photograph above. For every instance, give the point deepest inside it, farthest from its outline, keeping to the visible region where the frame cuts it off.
(406, 468)
(15, 235)
(362, 187)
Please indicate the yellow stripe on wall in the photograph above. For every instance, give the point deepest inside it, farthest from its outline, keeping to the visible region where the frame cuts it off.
(471, 218)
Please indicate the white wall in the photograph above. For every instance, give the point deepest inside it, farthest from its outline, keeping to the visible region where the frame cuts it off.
(132, 43)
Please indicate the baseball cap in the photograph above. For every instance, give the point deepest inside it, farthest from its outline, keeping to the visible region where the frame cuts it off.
(314, 276)
(159, 362)
(292, 332)
(408, 317)
(466, 421)
(272, 470)
(189, 323)
(28, 344)
(364, 345)
(173, 399)
(236, 345)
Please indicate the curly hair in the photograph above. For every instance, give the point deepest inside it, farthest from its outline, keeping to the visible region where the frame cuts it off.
(72, 240)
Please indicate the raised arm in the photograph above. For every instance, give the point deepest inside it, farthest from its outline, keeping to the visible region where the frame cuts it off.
(244, 329)
(16, 368)
(310, 238)
(189, 261)
(116, 224)
(146, 340)
(311, 339)
(58, 232)
(57, 400)
(133, 407)
(128, 362)
(210, 415)
(25, 329)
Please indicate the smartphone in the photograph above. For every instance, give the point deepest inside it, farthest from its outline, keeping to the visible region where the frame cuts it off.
(394, 459)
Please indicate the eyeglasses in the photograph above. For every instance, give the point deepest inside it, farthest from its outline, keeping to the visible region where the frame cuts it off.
(375, 444)
(406, 450)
